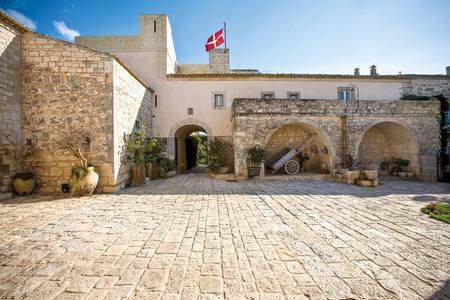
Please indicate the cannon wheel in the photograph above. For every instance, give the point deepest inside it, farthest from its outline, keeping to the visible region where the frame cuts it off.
(292, 167)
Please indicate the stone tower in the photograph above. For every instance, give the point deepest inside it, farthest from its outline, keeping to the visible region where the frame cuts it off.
(219, 60)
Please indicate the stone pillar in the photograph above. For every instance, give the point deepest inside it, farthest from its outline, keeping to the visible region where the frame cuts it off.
(219, 61)
(356, 72)
(373, 70)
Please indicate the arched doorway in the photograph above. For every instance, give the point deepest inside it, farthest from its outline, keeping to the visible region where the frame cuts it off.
(189, 141)
(386, 140)
(316, 156)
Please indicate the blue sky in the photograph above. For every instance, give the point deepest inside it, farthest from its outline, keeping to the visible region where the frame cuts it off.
(298, 36)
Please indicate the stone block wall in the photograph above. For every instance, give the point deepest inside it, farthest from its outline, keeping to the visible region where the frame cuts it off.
(219, 60)
(427, 86)
(66, 86)
(341, 127)
(10, 102)
(132, 110)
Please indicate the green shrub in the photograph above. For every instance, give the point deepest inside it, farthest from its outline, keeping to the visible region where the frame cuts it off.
(438, 211)
(399, 164)
(256, 155)
(153, 150)
(135, 146)
(218, 154)
(166, 165)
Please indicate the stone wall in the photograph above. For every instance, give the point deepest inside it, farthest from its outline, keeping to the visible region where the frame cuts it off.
(341, 126)
(10, 102)
(132, 109)
(65, 87)
(427, 86)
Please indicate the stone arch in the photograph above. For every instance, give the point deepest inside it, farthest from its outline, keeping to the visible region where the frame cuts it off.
(178, 140)
(190, 121)
(290, 134)
(386, 139)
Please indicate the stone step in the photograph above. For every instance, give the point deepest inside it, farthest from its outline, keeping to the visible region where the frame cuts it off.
(5, 196)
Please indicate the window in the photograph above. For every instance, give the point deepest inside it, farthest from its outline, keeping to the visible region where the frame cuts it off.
(346, 93)
(219, 101)
(154, 26)
(267, 95)
(293, 95)
(190, 111)
(156, 100)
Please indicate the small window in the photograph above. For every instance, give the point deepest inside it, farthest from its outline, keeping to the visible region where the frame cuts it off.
(190, 111)
(293, 95)
(156, 100)
(346, 93)
(154, 26)
(267, 95)
(219, 101)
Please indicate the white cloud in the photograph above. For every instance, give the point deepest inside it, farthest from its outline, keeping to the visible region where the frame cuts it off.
(21, 18)
(66, 32)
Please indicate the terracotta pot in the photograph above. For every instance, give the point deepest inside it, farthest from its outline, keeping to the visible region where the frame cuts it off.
(137, 175)
(148, 169)
(24, 183)
(155, 171)
(83, 181)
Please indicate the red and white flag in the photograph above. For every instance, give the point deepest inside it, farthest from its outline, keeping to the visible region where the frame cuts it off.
(215, 40)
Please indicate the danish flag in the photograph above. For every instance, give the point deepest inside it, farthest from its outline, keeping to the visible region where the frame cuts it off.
(215, 40)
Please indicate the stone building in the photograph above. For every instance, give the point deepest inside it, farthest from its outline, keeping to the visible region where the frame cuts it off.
(103, 82)
(49, 87)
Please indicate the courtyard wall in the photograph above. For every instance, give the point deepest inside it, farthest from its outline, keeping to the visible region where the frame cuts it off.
(342, 126)
(67, 86)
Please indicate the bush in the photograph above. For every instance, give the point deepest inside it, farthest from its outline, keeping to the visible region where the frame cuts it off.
(135, 146)
(153, 150)
(218, 154)
(399, 164)
(438, 211)
(256, 155)
(166, 165)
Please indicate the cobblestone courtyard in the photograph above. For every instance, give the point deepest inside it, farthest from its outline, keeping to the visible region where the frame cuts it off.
(193, 237)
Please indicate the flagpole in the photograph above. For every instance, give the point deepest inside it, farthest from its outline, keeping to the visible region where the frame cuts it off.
(225, 33)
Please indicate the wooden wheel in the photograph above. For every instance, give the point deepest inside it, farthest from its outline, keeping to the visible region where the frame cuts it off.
(292, 167)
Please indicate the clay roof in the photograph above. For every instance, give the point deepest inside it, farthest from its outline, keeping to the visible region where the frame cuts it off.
(249, 76)
(10, 21)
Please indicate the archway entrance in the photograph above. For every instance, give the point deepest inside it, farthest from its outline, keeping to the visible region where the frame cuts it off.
(316, 155)
(386, 140)
(190, 147)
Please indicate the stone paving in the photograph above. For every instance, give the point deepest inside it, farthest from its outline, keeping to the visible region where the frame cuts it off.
(192, 237)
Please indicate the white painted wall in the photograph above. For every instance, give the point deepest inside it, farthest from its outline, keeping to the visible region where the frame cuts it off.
(175, 96)
(152, 56)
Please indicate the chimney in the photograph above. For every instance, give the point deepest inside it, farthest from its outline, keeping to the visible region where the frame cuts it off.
(373, 70)
(356, 72)
(447, 70)
(219, 60)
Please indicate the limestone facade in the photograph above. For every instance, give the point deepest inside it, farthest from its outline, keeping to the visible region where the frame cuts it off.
(10, 101)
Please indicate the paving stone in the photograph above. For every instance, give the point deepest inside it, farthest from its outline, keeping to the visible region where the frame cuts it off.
(192, 237)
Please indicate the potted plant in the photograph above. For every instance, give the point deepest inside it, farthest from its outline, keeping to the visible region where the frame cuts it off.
(83, 179)
(218, 155)
(255, 157)
(167, 167)
(135, 148)
(399, 166)
(24, 182)
(152, 154)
